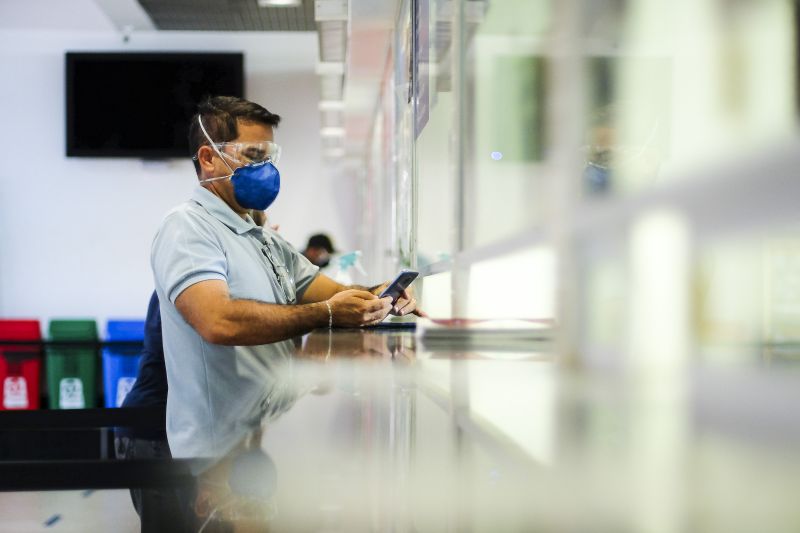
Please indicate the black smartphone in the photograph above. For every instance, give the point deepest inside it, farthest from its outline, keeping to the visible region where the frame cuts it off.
(403, 280)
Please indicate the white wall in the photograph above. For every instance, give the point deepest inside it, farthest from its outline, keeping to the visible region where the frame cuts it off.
(75, 233)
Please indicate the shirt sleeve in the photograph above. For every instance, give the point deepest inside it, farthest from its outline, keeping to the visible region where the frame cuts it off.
(186, 251)
(302, 270)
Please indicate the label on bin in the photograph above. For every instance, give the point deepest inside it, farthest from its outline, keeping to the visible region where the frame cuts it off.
(70, 394)
(124, 386)
(15, 393)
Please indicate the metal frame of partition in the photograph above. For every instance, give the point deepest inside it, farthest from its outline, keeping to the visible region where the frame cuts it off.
(102, 473)
(19, 476)
(74, 344)
(51, 419)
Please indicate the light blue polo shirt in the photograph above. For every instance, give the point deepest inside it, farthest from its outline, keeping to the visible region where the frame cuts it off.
(203, 239)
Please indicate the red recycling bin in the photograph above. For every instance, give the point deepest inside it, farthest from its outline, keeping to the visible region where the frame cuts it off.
(20, 365)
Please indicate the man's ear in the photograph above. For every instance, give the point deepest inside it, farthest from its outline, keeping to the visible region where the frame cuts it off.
(205, 157)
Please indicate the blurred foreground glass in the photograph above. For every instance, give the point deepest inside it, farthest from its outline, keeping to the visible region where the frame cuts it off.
(746, 302)
(675, 87)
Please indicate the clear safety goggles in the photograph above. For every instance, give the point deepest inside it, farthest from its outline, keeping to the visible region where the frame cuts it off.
(247, 153)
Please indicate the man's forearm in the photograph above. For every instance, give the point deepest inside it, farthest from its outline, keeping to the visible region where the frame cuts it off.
(249, 323)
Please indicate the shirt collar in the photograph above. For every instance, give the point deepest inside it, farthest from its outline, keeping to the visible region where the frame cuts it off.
(217, 208)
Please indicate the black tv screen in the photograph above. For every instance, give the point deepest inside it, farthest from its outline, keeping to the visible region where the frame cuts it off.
(139, 104)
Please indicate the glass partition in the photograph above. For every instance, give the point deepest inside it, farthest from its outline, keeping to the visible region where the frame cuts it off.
(505, 106)
(435, 136)
(564, 127)
(675, 87)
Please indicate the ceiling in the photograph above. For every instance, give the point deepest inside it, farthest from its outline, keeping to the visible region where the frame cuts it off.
(228, 15)
(327, 17)
(369, 21)
(53, 15)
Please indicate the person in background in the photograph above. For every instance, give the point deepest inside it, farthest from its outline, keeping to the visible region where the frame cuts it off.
(612, 160)
(159, 509)
(319, 250)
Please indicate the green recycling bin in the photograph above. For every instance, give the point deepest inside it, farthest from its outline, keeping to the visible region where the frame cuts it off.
(71, 369)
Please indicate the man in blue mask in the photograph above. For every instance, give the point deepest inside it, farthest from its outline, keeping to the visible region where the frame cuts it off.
(232, 293)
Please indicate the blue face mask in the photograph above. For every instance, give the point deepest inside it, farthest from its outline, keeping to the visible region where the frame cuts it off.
(596, 178)
(255, 186)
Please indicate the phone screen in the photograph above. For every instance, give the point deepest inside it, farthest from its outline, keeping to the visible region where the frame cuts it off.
(403, 280)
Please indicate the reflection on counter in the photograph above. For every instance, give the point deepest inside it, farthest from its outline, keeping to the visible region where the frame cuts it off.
(364, 430)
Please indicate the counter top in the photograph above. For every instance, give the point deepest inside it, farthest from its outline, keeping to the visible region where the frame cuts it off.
(369, 430)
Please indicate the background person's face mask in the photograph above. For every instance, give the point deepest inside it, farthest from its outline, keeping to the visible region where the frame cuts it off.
(255, 185)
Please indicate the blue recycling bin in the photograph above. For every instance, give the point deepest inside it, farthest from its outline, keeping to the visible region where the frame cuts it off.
(121, 363)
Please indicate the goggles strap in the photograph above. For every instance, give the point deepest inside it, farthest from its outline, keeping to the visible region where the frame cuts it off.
(214, 146)
(216, 179)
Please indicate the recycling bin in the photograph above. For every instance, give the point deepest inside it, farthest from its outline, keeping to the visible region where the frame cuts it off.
(20, 365)
(121, 363)
(71, 368)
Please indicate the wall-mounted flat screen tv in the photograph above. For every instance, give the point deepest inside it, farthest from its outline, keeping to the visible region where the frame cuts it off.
(139, 104)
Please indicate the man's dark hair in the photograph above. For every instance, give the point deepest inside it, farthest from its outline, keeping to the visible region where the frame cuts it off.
(221, 115)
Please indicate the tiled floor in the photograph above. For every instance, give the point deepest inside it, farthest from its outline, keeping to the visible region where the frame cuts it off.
(73, 511)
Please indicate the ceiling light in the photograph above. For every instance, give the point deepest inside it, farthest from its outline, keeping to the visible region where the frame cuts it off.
(280, 3)
(327, 10)
(334, 152)
(328, 68)
(332, 131)
(331, 105)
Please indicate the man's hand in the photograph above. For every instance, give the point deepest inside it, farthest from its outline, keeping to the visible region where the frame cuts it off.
(355, 308)
(405, 304)
(323, 288)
